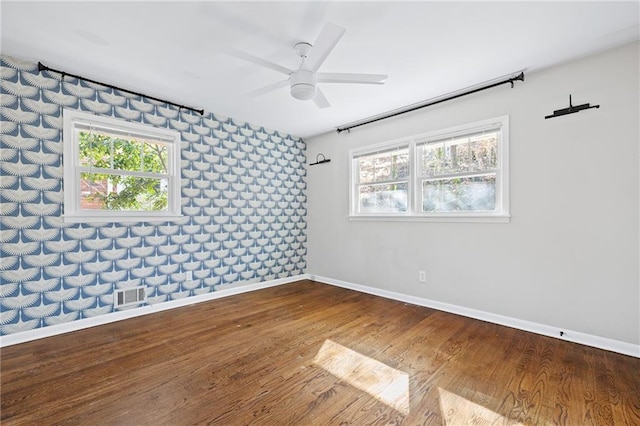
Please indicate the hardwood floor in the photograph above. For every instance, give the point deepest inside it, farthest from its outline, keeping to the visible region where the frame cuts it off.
(264, 358)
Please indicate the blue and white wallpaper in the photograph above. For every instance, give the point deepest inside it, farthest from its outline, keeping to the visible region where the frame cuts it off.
(243, 200)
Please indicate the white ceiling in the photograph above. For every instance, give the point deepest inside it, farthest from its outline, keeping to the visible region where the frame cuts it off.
(175, 50)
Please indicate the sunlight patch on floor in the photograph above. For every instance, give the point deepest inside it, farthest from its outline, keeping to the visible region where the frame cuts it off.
(384, 383)
(456, 410)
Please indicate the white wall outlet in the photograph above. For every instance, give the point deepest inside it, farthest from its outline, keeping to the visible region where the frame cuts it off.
(422, 276)
(189, 275)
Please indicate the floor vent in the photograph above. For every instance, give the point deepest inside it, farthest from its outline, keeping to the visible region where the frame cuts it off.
(129, 296)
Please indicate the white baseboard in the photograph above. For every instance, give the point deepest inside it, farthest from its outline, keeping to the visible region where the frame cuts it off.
(624, 348)
(53, 330)
(618, 346)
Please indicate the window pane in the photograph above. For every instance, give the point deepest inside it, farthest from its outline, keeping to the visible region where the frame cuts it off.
(95, 150)
(484, 152)
(478, 153)
(477, 193)
(155, 157)
(445, 158)
(385, 166)
(383, 198)
(114, 192)
(108, 152)
(127, 155)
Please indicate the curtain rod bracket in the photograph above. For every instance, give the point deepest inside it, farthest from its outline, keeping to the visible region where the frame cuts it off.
(572, 109)
(318, 161)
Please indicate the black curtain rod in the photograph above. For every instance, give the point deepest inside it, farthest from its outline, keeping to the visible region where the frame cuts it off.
(42, 67)
(511, 80)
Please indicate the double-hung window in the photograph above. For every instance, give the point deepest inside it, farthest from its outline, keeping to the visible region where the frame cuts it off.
(116, 170)
(454, 174)
(382, 181)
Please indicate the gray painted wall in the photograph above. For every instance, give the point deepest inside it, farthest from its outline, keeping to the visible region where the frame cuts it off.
(569, 256)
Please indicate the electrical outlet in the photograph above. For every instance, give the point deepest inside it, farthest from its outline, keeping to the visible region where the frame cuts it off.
(422, 276)
(189, 276)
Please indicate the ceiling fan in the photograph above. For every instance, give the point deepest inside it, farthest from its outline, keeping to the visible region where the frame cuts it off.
(303, 82)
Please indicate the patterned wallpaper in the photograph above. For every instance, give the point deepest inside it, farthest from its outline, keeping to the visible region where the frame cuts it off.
(243, 200)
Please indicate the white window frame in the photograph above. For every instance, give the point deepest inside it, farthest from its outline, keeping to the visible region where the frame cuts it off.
(414, 213)
(355, 181)
(72, 169)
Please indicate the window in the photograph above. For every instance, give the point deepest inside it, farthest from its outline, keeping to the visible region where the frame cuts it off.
(456, 174)
(383, 181)
(115, 170)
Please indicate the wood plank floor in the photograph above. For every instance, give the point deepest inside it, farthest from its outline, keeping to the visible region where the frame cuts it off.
(312, 354)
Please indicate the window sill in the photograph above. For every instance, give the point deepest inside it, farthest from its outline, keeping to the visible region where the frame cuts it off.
(433, 218)
(131, 218)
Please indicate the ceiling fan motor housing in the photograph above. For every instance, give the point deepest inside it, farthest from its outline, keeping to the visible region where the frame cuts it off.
(303, 84)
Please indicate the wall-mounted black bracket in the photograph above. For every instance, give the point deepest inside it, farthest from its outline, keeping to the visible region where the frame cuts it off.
(318, 161)
(572, 109)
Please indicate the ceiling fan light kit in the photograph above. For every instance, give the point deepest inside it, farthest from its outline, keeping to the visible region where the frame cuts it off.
(303, 84)
(303, 81)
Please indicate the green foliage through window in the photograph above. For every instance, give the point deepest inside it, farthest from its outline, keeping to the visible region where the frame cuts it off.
(122, 173)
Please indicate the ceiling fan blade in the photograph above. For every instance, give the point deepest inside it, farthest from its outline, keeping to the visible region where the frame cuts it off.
(320, 100)
(333, 77)
(268, 88)
(327, 40)
(256, 60)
